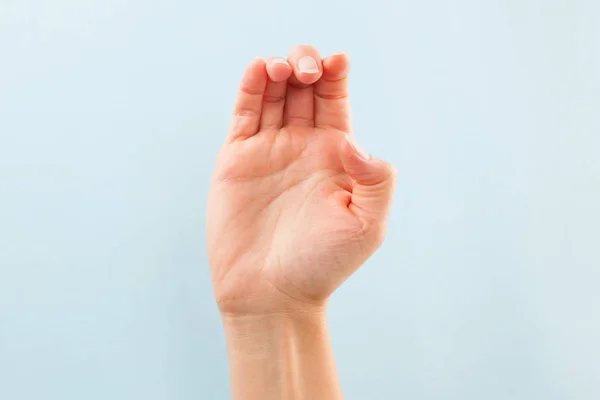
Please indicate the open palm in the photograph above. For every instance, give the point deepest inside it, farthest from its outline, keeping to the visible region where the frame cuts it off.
(295, 206)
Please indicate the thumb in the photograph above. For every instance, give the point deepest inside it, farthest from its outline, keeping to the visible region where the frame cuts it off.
(375, 181)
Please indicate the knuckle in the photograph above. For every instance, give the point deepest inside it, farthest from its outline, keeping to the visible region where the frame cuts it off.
(273, 98)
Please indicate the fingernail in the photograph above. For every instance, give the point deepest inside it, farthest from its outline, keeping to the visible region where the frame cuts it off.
(279, 60)
(308, 65)
(359, 151)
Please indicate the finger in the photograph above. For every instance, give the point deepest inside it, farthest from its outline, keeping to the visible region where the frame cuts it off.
(248, 105)
(278, 71)
(299, 103)
(299, 106)
(306, 62)
(332, 104)
(375, 181)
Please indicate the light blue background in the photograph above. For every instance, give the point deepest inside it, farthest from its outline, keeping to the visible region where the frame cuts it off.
(112, 112)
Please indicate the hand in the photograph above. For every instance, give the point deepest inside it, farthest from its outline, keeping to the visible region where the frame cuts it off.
(295, 206)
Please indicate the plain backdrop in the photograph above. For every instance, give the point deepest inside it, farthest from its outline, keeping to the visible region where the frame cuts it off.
(111, 115)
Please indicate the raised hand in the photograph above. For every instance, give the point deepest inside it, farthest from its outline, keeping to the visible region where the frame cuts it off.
(295, 206)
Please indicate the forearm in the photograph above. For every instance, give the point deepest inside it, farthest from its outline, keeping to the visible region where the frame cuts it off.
(281, 357)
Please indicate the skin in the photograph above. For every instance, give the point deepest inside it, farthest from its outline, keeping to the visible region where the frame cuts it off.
(295, 207)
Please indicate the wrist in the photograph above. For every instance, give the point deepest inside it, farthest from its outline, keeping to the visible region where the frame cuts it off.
(281, 356)
(273, 321)
(273, 337)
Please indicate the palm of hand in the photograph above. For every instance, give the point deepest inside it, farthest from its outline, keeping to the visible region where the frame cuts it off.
(288, 217)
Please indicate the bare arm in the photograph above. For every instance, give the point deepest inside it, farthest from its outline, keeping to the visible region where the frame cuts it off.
(282, 356)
